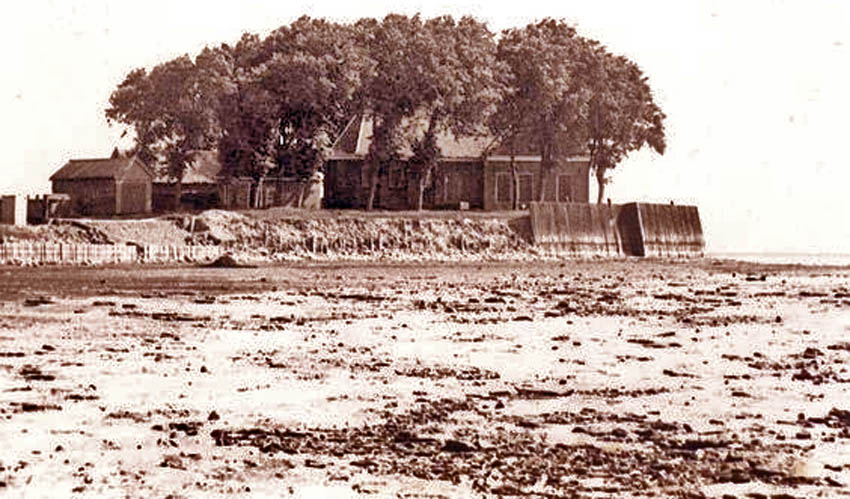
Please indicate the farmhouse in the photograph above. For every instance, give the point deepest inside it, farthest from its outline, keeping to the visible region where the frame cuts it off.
(472, 172)
(105, 186)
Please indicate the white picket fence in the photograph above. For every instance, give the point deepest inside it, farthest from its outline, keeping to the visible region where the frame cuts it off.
(41, 253)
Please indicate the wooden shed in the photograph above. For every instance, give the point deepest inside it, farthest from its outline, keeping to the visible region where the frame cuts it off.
(105, 187)
(199, 189)
(13, 210)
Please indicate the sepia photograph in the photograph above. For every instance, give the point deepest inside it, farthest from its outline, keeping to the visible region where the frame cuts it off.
(401, 249)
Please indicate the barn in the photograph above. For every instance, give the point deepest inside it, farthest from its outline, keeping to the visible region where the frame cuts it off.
(472, 172)
(105, 186)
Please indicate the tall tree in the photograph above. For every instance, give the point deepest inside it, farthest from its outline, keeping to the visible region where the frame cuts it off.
(246, 112)
(544, 99)
(622, 115)
(312, 73)
(391, 91)
(508, 125)
(171, 112)
(438, 72)
(287, 99)
(459, 69)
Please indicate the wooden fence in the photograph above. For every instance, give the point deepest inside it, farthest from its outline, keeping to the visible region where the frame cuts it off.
(41, 253)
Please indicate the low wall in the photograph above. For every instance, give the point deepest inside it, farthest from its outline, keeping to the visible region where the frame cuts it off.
(578, 228)
(164, 254)
(41, 253)
(633, 229)
(669, 230)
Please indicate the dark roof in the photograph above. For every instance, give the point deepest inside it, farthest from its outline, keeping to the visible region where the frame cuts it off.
(354, 141)
(357, 136)
(203, 169)
(100, 168)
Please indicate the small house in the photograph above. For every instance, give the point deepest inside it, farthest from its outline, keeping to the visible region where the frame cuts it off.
(105, 186)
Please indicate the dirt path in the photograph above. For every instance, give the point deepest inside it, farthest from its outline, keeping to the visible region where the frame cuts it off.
(616, 379)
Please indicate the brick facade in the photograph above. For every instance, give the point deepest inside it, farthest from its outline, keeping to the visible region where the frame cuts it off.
(480, 184)
(472, 172)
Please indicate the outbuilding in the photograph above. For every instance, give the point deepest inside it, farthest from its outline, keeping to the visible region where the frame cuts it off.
(105, 186)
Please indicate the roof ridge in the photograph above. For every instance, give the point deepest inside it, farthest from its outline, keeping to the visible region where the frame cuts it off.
(101, 159)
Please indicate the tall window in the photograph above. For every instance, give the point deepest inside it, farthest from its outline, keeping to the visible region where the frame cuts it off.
(526, 188)
(397, 180)
(565, 188)
(503, 188)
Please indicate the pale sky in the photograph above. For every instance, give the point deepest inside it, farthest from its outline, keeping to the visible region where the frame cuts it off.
(757, 94)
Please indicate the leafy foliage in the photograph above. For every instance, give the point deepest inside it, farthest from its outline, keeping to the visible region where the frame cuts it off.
(439, 72)
(171, 110)
(622, 115)
(278, 103)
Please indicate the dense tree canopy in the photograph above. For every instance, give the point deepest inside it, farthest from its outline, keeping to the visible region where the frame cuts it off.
(565, 94)
(279, 102)
(440, 72)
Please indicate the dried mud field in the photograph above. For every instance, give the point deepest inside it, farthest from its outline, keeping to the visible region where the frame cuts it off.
(575, 379)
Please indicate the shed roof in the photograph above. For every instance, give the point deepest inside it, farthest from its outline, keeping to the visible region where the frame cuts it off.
(203, 169)
(98, 168)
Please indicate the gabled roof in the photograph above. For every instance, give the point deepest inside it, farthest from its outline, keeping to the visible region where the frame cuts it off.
(99, 168)
(203, 169)
(354, 141)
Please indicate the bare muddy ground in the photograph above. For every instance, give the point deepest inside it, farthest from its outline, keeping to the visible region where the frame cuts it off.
(585, 379)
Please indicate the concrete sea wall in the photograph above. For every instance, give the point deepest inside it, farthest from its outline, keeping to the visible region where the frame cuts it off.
(669, 230)
(578, 228)
(633, 229)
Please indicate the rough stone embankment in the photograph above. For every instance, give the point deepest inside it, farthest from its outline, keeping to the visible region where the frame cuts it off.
(284, 235)
(575, 230)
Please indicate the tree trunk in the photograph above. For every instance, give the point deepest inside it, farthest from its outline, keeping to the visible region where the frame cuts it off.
(178, 193)
(373, 187)
(514, 177)
(424, 182)
(430, 159)
(600, 181)
(545, 162)
(258, 200)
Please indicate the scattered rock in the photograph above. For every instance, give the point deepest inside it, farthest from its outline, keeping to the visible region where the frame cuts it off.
(227, 261)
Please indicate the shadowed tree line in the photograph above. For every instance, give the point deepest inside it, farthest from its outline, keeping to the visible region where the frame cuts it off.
(279, 102)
